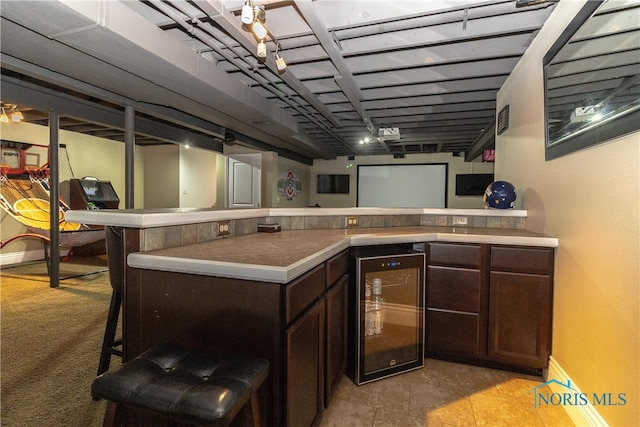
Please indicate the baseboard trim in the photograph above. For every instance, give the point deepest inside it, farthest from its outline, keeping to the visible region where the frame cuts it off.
(22, 256)
(27, 256)
(582, 415)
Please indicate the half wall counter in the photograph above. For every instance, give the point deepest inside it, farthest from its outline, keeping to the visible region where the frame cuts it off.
(283, 296)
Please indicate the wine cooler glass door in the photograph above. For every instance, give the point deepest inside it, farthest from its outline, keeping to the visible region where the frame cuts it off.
(391, 316)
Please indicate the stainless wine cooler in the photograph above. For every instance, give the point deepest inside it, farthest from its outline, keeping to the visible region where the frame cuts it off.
(386, 302)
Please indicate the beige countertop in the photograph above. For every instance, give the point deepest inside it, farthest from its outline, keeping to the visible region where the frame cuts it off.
(147, 218)
(283, 256)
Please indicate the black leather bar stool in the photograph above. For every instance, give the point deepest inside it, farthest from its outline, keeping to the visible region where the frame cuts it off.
(184, 386)
(115, 258)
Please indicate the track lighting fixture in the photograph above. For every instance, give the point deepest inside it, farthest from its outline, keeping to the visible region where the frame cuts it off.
(262, 49)
(281, 65)
(247, 13)
(16, 116)
(259, 30)
(14, 113)
(253, 17)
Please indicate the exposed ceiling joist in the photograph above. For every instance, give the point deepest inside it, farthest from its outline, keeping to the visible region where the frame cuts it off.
(432, 70)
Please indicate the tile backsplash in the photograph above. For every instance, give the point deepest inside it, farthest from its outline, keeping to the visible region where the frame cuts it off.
(180, 235)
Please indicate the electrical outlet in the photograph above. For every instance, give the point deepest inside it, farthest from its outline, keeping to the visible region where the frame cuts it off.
(352, 221)
(224, 228)
(459, 220)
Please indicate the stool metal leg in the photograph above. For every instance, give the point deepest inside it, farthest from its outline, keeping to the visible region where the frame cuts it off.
(109, 341)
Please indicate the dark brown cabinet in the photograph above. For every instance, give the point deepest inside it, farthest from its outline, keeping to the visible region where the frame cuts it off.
(455, 290)
(316, 340)
(490, 304)
(520, 305)
(336, 332)
(300, 327)
(304, 365)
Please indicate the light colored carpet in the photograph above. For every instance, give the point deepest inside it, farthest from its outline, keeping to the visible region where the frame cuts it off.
(50, 344)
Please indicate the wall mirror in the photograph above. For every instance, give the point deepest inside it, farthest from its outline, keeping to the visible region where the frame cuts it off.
(592, 78)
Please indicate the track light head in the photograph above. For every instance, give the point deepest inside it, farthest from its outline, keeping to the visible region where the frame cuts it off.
(10, 111)
(247, 14)
(259, 30)
(16, 116)
(262, 49)
(281, 65)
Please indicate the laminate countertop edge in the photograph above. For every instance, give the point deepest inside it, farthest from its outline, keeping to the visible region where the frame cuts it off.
(174, 262)
(148, 218)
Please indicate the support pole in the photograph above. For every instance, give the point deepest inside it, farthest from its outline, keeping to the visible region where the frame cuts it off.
(129, 142)
(54, 204)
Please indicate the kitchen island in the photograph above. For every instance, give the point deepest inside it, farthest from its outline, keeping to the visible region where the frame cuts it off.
(283, 295)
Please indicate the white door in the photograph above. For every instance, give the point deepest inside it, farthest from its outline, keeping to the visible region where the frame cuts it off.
(243, 181)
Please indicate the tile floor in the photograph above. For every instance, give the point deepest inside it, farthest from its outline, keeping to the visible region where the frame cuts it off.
(443, 394)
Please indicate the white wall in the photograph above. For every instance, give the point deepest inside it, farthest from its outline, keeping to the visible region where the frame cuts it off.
(590, 201)
(162, 176)
(342, 165)
(221, 187)
(198, 178)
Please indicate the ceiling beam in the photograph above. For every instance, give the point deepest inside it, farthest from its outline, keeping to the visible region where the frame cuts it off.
(484, 141)
(232, 25)
(67, 105)
(344, 79)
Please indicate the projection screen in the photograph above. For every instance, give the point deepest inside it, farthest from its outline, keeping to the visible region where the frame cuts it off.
(402, 185)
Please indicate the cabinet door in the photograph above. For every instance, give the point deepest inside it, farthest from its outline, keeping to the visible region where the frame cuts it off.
(305, 368)
(336, 365)
(520, 309)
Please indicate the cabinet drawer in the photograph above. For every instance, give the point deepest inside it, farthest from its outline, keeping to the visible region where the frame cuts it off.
(522, 259)
(455, 254)
(453, 332)
(337, 267)
(303, 291)
(454, 289)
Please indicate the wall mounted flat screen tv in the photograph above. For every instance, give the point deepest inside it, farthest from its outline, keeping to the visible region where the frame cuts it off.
(333, 184)
(472, 184)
